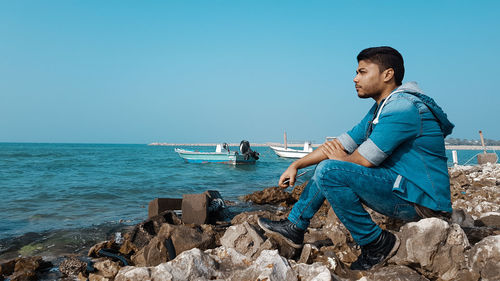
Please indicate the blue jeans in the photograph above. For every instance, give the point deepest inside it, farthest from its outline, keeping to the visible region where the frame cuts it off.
(346, 185)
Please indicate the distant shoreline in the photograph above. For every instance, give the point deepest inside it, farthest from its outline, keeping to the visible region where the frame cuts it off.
(448, 147)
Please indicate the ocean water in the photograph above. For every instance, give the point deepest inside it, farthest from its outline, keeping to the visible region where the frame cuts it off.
(54, 188)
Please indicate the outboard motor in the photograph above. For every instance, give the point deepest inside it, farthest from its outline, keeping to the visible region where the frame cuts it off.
(247, 152)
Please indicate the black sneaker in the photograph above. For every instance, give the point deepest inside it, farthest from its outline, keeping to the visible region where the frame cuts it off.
(377, 252)
(285, 230)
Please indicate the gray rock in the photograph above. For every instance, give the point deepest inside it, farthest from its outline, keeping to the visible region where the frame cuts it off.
(183, 238)
(229, 259)
(268, 266)
(307, 253)
(132, 273)
(98, 277)
(450, 261)
(490, 219)
(251, 217)
(186, 237)
(189, 265)
(394, 273)
(420, 242)
(107, 268)
(484, 258)
(154, 253)
(434, 248)
(244, 239)
(462, 218)
(72, 266)
(312, 272)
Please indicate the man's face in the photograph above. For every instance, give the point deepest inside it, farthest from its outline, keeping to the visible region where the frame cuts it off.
(369, 81)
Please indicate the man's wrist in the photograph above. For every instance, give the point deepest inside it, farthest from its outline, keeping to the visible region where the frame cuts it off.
(295, 165)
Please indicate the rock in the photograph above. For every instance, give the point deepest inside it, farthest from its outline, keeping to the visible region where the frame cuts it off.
(268, 266)
(244, 239)
(132, 273)
(318, 237)
(94, 250)
(82, 277)
(145, 231)
(30, 264)
(420, 241)
(189, 265)
(24, 268)
(107, 268)
(458, 179)
(312, 272)
(229, 259)
(128, 248)
(97, 277)
(72, 266)
(484, 259)
(476, 189)
(297, 190)
(393, 273)
(307, 254)
(462, 218)
(490, 219)
(276, 242)
(139, 258)
(320, 219)
(7, 268)
(333, 263)
(344, 245)
(23, 276)
(182, 237)
(485, 207)
(187, 237)
(152, 254)
(476, 234)
(251, 217)
(450, 261)
(433, 247)
(192, 264)
(271, 195)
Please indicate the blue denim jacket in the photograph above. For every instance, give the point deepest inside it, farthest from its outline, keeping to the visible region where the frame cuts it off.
(405, 133)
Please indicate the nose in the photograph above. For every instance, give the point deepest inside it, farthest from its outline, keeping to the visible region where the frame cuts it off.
(356, 79)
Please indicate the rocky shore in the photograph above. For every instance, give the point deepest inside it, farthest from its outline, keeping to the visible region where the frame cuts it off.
(467, 247)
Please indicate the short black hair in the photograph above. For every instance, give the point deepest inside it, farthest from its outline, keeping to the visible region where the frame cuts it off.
(385, 57)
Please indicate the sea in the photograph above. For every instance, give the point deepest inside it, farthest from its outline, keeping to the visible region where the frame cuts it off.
(61, 198)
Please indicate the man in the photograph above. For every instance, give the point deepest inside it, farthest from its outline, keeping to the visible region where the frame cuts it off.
(393, 161)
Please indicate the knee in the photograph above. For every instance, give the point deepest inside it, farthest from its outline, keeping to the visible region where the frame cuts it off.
(329, 167)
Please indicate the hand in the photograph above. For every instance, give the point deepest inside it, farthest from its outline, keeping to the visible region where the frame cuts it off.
(334, 150)
(290, 173)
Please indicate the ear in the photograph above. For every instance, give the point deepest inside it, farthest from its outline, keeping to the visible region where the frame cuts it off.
(388, 74)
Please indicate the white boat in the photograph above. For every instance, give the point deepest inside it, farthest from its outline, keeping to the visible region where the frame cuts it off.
(287, 152)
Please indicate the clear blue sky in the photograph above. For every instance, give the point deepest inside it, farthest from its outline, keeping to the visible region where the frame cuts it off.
(213, 71)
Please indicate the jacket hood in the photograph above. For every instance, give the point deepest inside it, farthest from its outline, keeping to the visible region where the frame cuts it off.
(413, 89)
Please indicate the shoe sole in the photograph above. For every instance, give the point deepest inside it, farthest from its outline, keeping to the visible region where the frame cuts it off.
(279, 236)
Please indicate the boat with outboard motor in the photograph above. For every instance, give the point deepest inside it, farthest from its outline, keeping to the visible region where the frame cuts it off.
(222, 155)
(287, 152)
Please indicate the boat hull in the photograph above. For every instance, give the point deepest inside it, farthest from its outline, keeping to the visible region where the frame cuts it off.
(289, 152)
(213, 157)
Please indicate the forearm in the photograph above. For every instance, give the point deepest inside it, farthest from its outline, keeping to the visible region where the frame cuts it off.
(335, 150)
(357, 158)
(312, 158)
